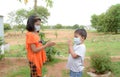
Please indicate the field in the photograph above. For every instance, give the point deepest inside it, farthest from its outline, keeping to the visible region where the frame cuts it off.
(95, 42)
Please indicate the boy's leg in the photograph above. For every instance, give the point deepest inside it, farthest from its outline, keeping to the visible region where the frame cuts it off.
(72, 74)
(75, 74)
(78, 74)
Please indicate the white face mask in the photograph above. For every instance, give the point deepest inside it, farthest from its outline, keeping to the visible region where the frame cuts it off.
(77, 41)
(37, 27)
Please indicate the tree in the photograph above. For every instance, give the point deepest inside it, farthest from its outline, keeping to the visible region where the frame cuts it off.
(109, 21)
(98, 22)
(112, 21)
(81, 26)
(49, 3)
(75, 26)
(21, 15)
(41, 11)
(58, 26)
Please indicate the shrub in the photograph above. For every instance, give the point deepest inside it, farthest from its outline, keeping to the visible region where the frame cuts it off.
(1, 42)
(7, 27)
(101, 62)
(50, 51)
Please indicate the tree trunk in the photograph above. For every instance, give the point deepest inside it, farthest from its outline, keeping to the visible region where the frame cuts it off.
(35, 7)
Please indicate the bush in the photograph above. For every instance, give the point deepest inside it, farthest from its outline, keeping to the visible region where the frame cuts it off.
(50, 51)
(58, 26)
(7, 27)
(101, 62)
(1, 42)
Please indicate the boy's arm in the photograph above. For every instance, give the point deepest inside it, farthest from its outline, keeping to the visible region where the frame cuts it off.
(70, 49)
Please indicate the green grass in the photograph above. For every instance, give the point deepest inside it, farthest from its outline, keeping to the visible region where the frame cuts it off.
(116, 69)
(105, 43)
(54, 61)
(16, 51)
(23, 72)
(65, 73)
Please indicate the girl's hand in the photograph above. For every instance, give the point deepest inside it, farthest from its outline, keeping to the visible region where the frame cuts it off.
(49, 44)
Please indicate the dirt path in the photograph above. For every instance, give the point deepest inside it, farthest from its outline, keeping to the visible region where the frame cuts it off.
(56, 70)
(9, 64)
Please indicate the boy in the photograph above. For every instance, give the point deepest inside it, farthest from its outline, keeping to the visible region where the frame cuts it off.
(77, 53)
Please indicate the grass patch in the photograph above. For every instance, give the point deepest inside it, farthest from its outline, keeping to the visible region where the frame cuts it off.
(116, 69)
(23, 72)
(16, 51)
(54, 61)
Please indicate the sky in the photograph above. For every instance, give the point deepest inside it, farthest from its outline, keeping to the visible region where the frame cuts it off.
(66, 12)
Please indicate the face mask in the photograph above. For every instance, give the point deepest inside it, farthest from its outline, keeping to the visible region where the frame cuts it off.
(37, 27)
(77, 41)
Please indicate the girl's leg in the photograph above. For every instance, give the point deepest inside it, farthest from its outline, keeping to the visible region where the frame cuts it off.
(33, 70)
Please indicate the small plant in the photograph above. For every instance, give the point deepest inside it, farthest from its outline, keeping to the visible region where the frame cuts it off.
(50, 51)
(101, 62)
(56, 34)
(1, 42)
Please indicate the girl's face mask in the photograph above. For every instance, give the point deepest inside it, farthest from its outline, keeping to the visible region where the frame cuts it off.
(37, 27)
(77, 41)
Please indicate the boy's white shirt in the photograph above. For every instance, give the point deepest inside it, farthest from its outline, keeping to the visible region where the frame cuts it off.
(76, 64)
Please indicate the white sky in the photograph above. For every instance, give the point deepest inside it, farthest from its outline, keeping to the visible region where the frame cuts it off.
(66, 12)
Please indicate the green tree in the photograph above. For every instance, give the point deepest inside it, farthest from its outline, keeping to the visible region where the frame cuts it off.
(21, 15)
(98, 22)
(76, 26)
(109, 21)
(112, 19)
(58, 26)
(81, 26)
(41, 11)
(49, 3)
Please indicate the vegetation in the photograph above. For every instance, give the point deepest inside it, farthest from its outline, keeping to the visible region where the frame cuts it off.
(23, 72)
(115, 69)
(1, 42)
(108, 21)
(50, 51)
(7, 27)
(18, 17)
(100, 62)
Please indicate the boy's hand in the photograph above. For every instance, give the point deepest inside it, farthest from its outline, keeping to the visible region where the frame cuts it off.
(70, 43)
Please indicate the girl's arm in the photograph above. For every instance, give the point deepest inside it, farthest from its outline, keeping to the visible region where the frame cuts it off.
(37, 49)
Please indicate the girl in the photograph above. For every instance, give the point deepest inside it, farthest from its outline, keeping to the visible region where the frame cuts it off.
(35, 50)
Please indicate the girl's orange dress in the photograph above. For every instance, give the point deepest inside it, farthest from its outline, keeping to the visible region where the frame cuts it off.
(38, 58)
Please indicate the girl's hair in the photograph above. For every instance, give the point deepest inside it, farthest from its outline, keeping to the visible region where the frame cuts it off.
(31, 21)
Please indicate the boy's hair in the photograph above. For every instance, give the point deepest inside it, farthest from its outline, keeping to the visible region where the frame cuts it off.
(82, 32)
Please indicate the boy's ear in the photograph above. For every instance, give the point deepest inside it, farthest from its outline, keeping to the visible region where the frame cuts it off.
(83, 38)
